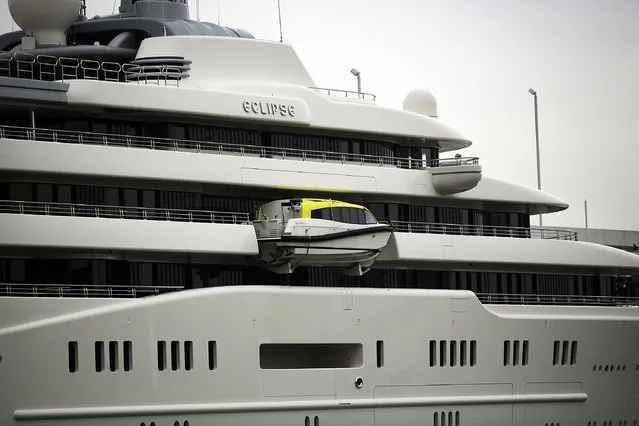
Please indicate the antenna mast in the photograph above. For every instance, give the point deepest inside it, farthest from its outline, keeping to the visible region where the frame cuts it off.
(218, 12)
(197, 10)
(279, 15)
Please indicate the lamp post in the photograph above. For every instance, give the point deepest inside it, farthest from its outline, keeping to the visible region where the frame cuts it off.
(356, 73)
(534, 93)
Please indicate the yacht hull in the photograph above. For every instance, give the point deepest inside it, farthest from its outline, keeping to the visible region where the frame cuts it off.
(271, 355)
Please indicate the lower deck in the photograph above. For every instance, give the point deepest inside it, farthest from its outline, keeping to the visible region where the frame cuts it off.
(313, 356)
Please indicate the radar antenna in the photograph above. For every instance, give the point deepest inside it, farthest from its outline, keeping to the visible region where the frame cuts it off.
(279, 15)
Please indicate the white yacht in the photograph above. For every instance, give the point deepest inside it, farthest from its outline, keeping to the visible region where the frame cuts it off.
(134, 149)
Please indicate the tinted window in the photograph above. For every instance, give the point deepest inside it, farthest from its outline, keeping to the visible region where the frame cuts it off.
(369, 217)
(324, 213)
(361, 216)
(338, 214)
(354, 215)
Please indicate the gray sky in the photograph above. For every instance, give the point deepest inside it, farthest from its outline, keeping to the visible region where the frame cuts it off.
(480, 57)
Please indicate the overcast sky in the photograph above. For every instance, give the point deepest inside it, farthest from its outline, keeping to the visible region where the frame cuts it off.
(480, 57)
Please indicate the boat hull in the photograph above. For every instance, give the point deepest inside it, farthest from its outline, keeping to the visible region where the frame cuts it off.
(353, 248)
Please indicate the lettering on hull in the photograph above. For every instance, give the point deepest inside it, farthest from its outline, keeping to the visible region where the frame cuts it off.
(269, 108)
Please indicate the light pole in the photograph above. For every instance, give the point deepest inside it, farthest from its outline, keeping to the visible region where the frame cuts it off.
(534, 93)
(356, 73)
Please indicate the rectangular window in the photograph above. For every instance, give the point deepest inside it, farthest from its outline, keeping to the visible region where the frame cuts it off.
(555, 353)
(473, 353)
(73, 357)
(127, 349)
(453, 353)
(99, 356)
(380, 353)
(564, 353)
(516, 345)
(573, 353)
(212, 354)
(188, 355)
(462, 353)
(524, 358)
(506, 352)
(310, 355)
(433, 353)
(113, 356)
(175, 355)
(442, 353)
(161, 355)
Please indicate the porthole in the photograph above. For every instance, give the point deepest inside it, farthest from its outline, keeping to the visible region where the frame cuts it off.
(176, 423)
(186, 423)
(623, 367)
(359, 383)
(600, 368)
(606, 370)
(619, 369)
(594, 368)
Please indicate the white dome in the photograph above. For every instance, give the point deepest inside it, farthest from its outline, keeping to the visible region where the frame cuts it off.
(421, 101)
(47, 20)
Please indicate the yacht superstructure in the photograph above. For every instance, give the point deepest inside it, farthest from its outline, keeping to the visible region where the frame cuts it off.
(139, 287)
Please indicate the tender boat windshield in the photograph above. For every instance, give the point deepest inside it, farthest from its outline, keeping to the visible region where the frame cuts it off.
(345, 215)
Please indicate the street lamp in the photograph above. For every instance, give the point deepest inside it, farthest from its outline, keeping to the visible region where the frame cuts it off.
(356, 73)
(534, 93)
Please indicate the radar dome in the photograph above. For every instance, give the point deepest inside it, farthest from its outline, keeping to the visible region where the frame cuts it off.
(46, 20)
(421, 101)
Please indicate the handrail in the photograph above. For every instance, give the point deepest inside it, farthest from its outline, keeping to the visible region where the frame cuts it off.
(121, 212)
(50, 68)
(83, 290)
(484, 230)
(345, 93)
(208, 147)
(545, 299)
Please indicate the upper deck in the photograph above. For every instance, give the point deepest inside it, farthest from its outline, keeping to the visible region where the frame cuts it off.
(247, 80)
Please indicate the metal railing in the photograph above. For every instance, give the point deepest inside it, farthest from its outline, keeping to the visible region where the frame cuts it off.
(82, 290)
(208, 147)
(345, 93)
(566, 300)
(119, 212)
(51, 68)
(484, 230)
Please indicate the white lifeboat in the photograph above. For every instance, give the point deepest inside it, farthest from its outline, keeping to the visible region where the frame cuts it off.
(318, 232)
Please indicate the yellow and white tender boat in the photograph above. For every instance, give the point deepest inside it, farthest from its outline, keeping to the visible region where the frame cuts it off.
(319, 232)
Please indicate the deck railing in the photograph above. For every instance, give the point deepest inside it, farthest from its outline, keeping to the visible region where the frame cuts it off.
(349, 94)
(572, 300)
(81, 290)
(208, 147)
(484, 230)
(132, 291)
(120, 212)
(51, 68)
